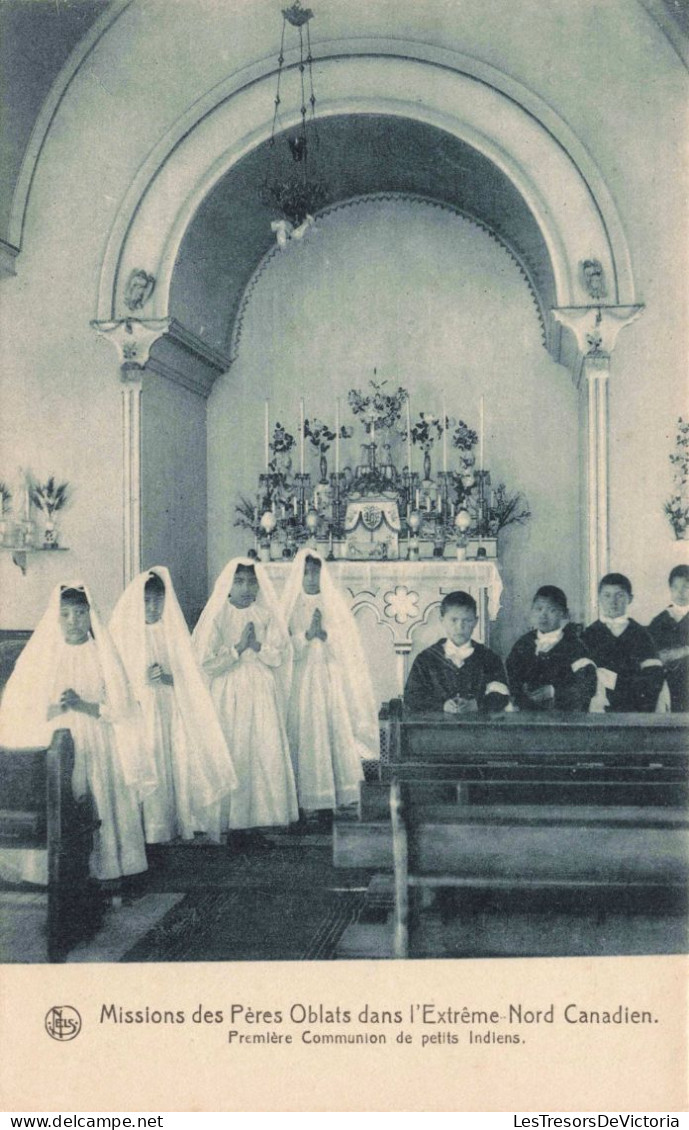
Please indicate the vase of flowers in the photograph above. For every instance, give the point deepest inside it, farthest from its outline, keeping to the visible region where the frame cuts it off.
(281, 445)
(49, 498)
(677, 506)
(424, 432)
(320, 436)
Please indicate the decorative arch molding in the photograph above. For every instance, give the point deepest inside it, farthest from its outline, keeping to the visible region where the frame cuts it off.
(474, 102)
(372, 198)
(49, 109)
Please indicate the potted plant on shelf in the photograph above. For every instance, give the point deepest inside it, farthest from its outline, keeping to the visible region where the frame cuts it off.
(506, 510)
(677, 506)
(49, 497)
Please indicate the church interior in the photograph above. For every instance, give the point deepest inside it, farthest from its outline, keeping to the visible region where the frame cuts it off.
(224, 223)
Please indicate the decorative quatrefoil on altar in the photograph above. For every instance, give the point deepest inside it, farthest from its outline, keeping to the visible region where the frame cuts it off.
(403, 604)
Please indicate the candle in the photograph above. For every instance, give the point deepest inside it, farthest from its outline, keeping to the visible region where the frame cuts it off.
(440, 505)
(373, 431)
(301, 435)
(428, 503)
(294, 500)
(480, 434)
(417, 500)
(337, 436)
(267, 434)
(444, 434)
(409, 433)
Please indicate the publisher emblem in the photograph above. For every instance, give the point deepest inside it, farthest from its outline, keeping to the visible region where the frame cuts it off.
(62, 1022)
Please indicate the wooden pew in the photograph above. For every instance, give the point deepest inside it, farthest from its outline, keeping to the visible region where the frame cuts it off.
(38, 811)
(544, 804)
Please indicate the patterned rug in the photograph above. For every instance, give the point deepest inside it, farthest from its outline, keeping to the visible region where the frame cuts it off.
(250, 924)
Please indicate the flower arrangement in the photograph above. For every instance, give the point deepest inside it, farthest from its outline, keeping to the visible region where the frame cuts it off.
(426, 430)
(320, 435)
(677, 507)
(379, 408)
(506, 510)
(5, 498)
(282, 442)
(463, 437)
(49, 497)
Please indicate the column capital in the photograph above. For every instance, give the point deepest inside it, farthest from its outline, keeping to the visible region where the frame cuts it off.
(595, 330)
(133, 338)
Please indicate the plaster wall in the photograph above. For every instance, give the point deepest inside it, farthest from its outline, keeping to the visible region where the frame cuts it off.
(434, 303)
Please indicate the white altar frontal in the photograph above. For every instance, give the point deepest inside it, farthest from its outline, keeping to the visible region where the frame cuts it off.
(397, 603)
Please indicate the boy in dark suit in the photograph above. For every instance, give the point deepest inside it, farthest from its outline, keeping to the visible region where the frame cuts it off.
(630, 674)
(457, 675)
(670, 632)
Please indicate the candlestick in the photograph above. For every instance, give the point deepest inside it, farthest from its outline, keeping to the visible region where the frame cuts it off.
(409, 433)
(480, 435)
(417, 500)
(301, 435)
(267, 434)
(444, 434)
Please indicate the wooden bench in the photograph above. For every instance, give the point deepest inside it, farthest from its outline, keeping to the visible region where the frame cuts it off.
(539, 805)
(38, 811)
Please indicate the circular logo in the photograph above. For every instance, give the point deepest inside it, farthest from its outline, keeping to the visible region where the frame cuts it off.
(62, 1022)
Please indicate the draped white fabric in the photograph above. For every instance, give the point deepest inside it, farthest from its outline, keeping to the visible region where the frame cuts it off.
(344, 648)
(108, 761)
(183, 739)
(250, 694)
(325, 751)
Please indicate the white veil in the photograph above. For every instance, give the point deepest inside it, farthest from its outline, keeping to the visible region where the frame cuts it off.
(266, 602)
(210, 764)
(28, 694)
(343, 636)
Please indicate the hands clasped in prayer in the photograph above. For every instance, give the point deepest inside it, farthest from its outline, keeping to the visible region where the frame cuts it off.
(316, 631)
(248, 640)
(70, 700)
(158, 677)
(459, 705)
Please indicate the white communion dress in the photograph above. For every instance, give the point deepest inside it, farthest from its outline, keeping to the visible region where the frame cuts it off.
(249, 693)
(108, 763)
(332, 721)
(182, 737)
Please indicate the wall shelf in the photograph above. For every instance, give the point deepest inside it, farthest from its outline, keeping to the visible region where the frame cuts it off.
(21, 553)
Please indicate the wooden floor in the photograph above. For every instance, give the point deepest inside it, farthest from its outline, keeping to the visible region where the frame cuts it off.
(459, 924)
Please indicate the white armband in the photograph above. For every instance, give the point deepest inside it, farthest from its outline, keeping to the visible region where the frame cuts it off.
(579, 664)
(497, 688)
(650, 663)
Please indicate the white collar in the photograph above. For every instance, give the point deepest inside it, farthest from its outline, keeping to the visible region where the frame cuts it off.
(546, 641)
(458, 655)
(678, 611)
(616, 624)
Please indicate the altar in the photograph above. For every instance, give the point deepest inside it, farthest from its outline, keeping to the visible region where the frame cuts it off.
(397, 603)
